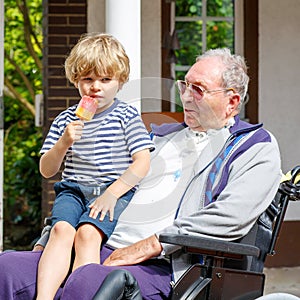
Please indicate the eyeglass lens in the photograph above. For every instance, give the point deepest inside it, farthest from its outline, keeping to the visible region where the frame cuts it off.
(196, 90)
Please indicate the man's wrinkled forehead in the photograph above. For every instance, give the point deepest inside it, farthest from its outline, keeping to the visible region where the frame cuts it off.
(196, 76)
(205, 71)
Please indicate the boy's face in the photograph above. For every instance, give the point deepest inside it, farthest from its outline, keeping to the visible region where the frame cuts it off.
(104, 89)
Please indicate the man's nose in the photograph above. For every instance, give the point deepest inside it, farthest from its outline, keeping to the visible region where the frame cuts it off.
(187, 96)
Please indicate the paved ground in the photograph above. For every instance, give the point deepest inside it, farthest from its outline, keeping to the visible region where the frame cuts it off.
(284, 280)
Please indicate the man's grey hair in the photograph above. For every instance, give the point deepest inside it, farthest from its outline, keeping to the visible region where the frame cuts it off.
(235, 73)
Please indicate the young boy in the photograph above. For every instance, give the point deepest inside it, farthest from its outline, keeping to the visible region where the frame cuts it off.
(105, 158)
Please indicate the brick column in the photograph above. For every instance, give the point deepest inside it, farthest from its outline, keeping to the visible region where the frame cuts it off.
(64, 22)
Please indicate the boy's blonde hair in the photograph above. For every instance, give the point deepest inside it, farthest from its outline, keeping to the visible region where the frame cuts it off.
(99, 53)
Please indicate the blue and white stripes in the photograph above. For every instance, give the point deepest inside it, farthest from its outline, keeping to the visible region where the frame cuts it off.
(108, 141)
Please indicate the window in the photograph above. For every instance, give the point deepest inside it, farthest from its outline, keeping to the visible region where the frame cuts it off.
(198, 25)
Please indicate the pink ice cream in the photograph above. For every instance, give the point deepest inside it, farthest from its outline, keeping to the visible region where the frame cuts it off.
(86, 108)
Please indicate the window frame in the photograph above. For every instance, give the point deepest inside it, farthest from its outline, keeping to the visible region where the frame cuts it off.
(237, 19)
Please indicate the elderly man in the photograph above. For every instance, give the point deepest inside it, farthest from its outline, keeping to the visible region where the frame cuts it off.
(205, 181)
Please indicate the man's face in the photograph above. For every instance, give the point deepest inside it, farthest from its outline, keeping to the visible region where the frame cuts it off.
(212, 110)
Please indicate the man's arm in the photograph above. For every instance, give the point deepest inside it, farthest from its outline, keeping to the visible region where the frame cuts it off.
(135, 253)
(252, 184)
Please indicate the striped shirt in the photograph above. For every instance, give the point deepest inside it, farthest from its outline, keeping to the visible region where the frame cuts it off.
(106, 146)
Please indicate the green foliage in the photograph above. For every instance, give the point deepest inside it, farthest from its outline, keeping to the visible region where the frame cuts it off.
(190, 29)
(22, 46)
(218, 33)
(189, 35)
(22, 140)
(220, 8)
(22, 180)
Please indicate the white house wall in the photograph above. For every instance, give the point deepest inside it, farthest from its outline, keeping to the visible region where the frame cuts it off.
(279, 75)
(151, 55)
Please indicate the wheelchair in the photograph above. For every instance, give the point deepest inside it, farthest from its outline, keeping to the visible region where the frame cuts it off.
(230, 270)
(234, 270)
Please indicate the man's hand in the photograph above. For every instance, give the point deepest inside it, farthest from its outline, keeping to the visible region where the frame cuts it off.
(103, 204)
(135, 253)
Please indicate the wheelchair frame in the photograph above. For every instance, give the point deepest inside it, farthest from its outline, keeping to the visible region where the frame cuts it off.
(228, 271)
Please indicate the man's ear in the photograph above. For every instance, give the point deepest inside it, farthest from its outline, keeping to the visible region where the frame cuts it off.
(233, 103)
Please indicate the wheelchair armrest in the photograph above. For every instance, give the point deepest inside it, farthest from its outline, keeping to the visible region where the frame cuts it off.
(207, 246)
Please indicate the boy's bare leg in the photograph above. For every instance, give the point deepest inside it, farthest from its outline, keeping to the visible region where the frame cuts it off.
(87, 245)
(55, 261)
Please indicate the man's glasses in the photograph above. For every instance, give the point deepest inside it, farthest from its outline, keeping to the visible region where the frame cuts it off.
(196, 90)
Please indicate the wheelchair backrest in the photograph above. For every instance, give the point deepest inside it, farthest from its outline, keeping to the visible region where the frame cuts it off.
(265, 232)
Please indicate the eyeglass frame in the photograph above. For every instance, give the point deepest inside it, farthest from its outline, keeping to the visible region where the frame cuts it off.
(203, 91)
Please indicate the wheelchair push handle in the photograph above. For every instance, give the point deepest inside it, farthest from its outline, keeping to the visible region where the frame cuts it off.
(295, 172)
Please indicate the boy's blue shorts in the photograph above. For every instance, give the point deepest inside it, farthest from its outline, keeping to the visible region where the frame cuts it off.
(72, 205)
